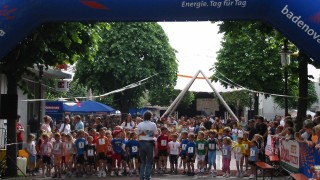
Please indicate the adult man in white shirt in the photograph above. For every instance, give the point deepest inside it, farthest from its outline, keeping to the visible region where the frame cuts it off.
(146, 132)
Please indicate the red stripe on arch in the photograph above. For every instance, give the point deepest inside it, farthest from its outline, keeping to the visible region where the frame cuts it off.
(94, 4)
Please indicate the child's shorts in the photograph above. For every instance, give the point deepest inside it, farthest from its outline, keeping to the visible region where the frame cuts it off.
(80, 159)
(173, 159)
(201, 157)
(101, 156)
(238, 157)
(91, 160)
(190, 158)
(32, 159)
(46, 160)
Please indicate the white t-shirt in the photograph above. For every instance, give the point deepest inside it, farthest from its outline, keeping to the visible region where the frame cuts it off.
(128, 125)
(174, 147)
(31, 148)
(65, 128)
(240, 133)
(147, 130)
(45, 127)
(235, 131)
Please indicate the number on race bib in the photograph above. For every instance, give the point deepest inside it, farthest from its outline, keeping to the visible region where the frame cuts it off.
(163, 142)
(184, 146)
(101, 141)
(201, 146)
(81, 145)
(212, 146)
(46, 149)
(56, 147)
(134, 149)
(245, 146)
(90, 152)
(224, 152)
(109, 148)
(238, 149)
(69, 146)
(190, 150)
(252, 153)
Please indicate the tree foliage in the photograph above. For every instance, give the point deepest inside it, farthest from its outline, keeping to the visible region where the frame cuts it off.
(250, 57)
(168, 95)
(130, 52)
(240, 98)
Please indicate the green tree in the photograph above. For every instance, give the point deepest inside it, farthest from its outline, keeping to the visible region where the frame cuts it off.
(249, 57)
(168, 95)
(48, 45)
(130, 52)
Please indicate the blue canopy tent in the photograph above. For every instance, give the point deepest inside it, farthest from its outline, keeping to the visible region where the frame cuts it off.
(88, 107)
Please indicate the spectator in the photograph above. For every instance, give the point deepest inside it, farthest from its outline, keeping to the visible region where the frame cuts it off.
(251, 129)
(243, 123)
(45, 127)
(33, 124)
(65, 126)
(20, 131)
(78, 123)
(128, 124)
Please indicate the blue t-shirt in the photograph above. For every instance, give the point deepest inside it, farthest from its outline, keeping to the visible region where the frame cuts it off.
(191, 148)
(226, 151)
(254, 151)
(133, 146)
(183, 146)
(80, 145)
(117, 145)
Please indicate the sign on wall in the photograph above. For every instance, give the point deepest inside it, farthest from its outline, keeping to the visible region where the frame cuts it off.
(290, 153)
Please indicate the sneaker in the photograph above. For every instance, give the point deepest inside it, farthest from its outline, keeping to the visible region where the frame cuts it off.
(251, 176)
(99, 173)
(43, 176)
(224, 175)
(112, 173)
(103, 174)
(214, 173)
(240, 175)
(137, 172)
(227, 175)
(259, 172)
(120, 173)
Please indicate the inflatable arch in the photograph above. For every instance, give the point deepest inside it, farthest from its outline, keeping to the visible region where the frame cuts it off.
(298, 20)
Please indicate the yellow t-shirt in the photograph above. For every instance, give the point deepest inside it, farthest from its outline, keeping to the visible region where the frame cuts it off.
(239, 149)
(246, 144)
(220, 133)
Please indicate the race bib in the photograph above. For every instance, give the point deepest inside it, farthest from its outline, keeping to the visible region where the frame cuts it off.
(163, 142)
(184, 146)
(90, 152)
(46, 149)
(56, 147)
(224, 152)
(246, 146)
(252, 153)
(102, 141)
(238, 150)
(201, 146)
(81, 145)
(69, 146)
(212, 146)
(190, 150)
(134, 149)
(109, 148)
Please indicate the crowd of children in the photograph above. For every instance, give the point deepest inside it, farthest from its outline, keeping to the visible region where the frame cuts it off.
(87, 153)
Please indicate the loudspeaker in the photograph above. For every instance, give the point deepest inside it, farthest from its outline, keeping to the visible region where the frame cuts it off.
(8, 106)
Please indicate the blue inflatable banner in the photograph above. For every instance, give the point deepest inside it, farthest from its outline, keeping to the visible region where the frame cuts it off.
(297, 19)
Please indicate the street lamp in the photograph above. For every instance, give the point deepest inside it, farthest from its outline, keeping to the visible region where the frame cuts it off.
(285, 61)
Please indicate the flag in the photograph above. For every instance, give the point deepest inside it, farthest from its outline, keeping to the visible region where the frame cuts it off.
(78, 103)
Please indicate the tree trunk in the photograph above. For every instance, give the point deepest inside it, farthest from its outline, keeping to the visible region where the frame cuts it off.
(12, 92)
(256, 104)
(303, 90)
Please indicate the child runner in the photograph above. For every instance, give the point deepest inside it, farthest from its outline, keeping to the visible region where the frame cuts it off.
(90, 154)
(57, 154)
(174, 152)
(191, 154)
(32, 152)
(117, 151)
(238, 153)
(162, 142)
(69, 151)
(183, 150)
(109, 153)
(101, 147)
(46, 150)
(254, 151)
(202, 151)
(133, 149)
(213, 144)
(80, 144)
(246, 144)
(234, 132)
(226, 156)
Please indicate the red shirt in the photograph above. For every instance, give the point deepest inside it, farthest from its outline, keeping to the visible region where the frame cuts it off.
(163, 142)
(19, 134)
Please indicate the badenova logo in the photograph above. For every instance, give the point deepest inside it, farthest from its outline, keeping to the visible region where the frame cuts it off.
(301, 24)
(2, 33)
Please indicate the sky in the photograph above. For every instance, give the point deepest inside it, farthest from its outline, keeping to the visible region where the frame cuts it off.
(197, 44)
